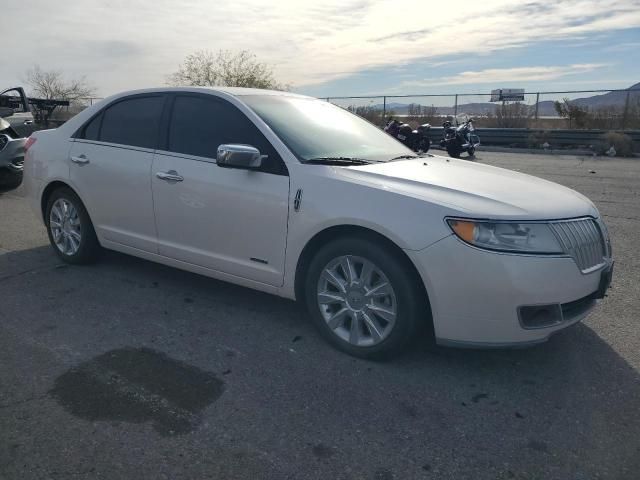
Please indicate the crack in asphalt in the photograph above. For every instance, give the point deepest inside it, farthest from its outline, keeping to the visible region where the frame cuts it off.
(31, 270)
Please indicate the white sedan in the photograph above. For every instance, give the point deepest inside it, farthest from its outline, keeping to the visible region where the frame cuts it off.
(297, 197)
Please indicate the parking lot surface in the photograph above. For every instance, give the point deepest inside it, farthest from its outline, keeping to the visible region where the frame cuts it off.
(129, 369)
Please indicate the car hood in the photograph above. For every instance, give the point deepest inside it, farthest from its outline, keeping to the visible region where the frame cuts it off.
(471, 189)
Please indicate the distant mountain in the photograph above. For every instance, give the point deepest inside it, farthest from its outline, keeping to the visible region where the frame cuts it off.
(610, 99)
(545, 108)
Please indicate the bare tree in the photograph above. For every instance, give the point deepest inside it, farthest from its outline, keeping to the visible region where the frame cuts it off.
(51, 85)
(418, 114)
(368, 112)
(510, 115)
(225, 68)
(572, 112)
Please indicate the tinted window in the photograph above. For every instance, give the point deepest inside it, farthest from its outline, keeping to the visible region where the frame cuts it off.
(199, 125)
(92, 129)
(133, 122)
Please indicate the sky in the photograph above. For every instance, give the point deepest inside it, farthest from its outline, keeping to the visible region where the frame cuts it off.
(334, 48)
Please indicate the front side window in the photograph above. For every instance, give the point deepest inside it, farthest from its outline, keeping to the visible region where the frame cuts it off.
(199, 125)
(134, 121)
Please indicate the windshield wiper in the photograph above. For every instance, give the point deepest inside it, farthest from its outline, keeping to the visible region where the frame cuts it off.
(339, 160)
(402, 157)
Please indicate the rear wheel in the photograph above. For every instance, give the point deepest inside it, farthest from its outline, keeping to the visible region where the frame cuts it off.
(363, 298)
(454, 150)
(70, 229)
(424, 145)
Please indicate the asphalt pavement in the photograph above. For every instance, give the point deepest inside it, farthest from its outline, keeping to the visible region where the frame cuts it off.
(129, 369)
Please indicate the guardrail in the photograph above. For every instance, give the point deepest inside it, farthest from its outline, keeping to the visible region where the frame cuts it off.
(521, 137)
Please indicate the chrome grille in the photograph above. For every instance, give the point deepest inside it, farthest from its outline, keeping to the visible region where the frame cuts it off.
(583, 240)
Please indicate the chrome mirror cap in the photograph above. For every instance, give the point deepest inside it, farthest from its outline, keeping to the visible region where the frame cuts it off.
(232, 155)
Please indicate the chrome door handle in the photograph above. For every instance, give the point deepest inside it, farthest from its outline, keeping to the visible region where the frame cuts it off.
(80, 159)
(170, 176)
(28, 122)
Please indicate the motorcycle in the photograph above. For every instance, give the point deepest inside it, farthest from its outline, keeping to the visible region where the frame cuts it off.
(417, 140)
(459, 138)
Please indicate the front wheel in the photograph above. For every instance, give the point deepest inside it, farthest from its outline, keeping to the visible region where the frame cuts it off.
(70, 229)
(471, 151)
(363, 298)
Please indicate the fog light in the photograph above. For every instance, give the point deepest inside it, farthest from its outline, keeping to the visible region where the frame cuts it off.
(540, 316)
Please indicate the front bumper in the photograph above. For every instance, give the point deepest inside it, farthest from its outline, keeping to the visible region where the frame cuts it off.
(475, 294)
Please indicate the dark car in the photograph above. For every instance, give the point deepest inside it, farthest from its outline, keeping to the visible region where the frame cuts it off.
(11, 157)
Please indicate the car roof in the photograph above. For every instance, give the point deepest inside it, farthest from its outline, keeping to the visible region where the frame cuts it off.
(234, 91)
(228, 92)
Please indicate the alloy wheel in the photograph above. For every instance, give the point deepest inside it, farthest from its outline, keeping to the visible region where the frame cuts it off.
(357, 300)
(64, 222)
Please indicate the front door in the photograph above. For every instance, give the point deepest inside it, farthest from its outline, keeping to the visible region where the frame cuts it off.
(231, 221)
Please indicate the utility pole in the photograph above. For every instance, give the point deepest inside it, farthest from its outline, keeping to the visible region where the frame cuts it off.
(384, 110)
(626, 110)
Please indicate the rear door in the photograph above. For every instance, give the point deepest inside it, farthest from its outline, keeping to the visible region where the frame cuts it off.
(229, 220)
(110, 165)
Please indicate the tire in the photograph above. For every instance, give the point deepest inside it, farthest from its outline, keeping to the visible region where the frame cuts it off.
(9, 180)
(471, 151)
(453, 151)
(424, 145)
(404, 296)
(75, 250)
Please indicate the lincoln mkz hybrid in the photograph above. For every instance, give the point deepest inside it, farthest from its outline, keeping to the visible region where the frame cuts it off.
(297, 197)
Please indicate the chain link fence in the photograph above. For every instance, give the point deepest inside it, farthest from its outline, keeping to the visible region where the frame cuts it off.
(577, 109)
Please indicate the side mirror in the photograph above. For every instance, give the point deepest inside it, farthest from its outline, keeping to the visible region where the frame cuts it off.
(233, 155)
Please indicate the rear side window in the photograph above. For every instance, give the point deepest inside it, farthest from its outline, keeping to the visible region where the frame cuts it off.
(134, 122)
(92, 129)
(199, 125)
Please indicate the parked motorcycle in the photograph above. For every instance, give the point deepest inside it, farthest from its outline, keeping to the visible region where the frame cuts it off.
(417, 140)
(460, 138)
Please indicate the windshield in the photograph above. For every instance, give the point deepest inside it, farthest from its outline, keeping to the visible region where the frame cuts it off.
(315, 129)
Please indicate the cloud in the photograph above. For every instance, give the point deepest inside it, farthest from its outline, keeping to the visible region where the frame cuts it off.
(504, 75)
(621, 47)
(138, 42)
(409, 36)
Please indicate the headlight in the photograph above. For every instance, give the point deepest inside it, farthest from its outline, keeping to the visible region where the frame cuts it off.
(507, 236)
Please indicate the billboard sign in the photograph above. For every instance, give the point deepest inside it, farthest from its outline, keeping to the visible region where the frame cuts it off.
(507, 95)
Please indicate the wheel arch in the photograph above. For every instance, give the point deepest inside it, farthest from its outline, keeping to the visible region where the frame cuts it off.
(342, 231)
(46, 193)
